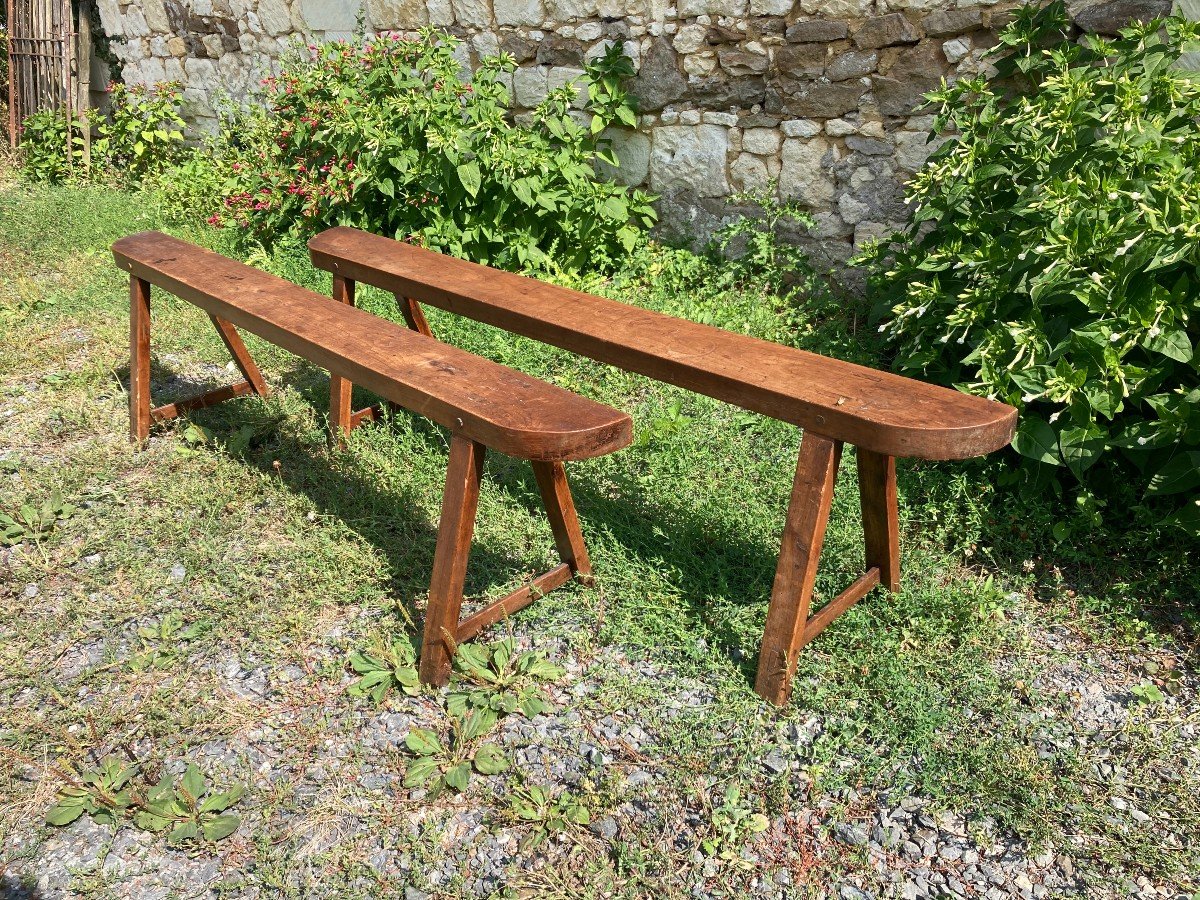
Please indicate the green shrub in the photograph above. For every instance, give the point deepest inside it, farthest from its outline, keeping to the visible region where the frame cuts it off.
(388, 137)
(1054, 259)
(44, 142)
(193, 187)
(140, 136)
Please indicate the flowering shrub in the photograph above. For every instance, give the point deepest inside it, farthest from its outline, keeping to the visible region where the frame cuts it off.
(1054, 259)
(140, 136)
(388, 137)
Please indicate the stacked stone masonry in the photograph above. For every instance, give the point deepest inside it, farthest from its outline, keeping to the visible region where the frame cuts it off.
(821, 97)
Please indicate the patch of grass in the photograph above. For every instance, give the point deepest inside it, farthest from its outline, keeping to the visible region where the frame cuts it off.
(293, 555)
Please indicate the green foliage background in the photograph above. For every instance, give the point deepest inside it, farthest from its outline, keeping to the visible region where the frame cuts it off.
(1053, 260)
(388, 136)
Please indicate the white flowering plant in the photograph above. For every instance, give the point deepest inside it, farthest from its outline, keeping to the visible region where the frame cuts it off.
(1053, 261)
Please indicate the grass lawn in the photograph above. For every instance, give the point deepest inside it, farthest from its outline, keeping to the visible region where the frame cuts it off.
(1029, 703)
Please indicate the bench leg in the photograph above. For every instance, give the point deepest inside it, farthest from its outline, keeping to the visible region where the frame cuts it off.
(564, 523)
(343, 418)
(139, 360)
(803, 536)
(340, 389)
(414, 316)
(140, 414)
(881, 522)
(460, 503)
(241, 356)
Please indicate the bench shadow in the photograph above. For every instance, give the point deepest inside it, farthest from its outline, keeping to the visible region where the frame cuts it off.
(393, 518)
(18, 887)
(693, 546)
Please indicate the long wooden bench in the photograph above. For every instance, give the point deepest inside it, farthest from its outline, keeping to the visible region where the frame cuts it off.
(835, 402)
(483, 404)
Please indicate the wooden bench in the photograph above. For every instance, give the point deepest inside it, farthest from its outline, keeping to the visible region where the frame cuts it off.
(483, 404)
(884, 415)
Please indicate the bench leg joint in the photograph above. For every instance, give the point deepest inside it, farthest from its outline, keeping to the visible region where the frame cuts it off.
(141, 416)
(443, 628)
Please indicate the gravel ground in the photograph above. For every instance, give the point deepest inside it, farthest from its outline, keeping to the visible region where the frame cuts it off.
(327, 815)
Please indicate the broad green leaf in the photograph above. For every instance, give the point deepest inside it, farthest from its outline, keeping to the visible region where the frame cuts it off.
(421, 770)
(150, 821)
(459, 776)
(1179, 475)
(1173, 344)
(185, 831)
(423, 742)
(1037, 440)
(219, 827)
(1080, 448)
(193, 782)
(470, 178)
(477, 723)
(222, 801)
(65, 812)
(490, 760)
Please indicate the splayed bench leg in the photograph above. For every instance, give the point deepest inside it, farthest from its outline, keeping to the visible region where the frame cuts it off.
(789, 626)
(140, 414)
(343, 418)
(139, 360)
(803, 537)
(460, 503)
(880, 514)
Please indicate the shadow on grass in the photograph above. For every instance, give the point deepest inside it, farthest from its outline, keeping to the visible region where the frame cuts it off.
(392, 517)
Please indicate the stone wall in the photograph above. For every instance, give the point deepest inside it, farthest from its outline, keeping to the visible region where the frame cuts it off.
(816, 94)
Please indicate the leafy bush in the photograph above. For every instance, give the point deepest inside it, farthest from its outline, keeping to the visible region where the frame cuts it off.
(754, 251)
(140, 136)
(44, 142)
(388, 137)
(1054, 260)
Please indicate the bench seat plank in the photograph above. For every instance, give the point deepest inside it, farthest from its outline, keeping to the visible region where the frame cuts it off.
(483, 400)
(879, 411)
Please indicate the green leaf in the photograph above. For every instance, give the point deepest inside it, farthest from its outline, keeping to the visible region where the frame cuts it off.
(420, 770)
(185, 831)
(150, 821)
(65, 811)
(1172, 344)
(469, 176)
(193, 782)
(459, 777)
(220, 827)
(1037, 440)
(1179, 475)
(222, 801)
(423, 742)
(1080, 447)
(490, 760)
(364, 663)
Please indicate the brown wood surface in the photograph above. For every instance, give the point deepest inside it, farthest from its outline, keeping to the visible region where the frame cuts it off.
(479, 399)
(460, 502)
(880, 515)
(241, 356)
(799, 555)
(414, 316)
(517, 600)
(824, 617)
(209, 398)
(342, 419)
(139, 360)
(881, 411)
(564, 523)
